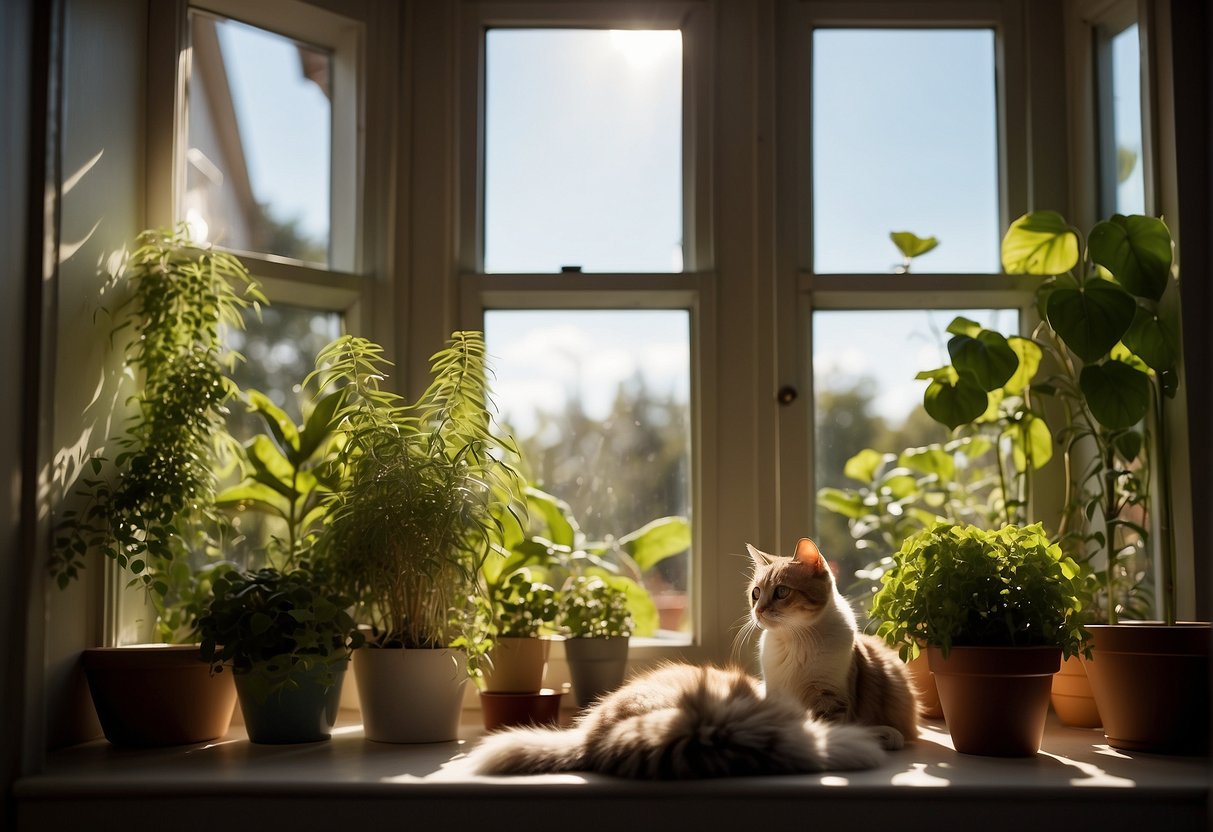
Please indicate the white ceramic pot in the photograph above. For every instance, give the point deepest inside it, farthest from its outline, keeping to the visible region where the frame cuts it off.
(518, 665)
(410, 695)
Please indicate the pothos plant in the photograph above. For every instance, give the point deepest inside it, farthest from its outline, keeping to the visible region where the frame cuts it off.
(424, 492)
(149, 504)
(1111, 350)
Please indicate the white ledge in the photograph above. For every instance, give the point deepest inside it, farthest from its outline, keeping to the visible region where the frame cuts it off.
(233, 784)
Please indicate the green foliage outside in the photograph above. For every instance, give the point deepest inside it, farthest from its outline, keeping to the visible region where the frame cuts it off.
(953, 585)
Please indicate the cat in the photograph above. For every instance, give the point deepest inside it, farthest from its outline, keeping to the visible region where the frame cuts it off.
(812, 653)
(681, 721)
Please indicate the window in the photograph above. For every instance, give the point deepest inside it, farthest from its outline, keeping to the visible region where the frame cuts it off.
(1121, 160)
(579, 259)
(896, 124)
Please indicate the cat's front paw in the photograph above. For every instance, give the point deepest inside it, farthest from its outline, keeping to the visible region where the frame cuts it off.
(890, 738)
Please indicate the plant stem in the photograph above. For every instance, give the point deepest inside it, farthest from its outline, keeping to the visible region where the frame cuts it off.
(1109, 513)
(1166, 540)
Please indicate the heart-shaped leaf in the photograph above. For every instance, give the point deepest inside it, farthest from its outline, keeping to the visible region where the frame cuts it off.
(1090, 318)
(931, 460)
(863, 465)
(1117, 394)
(985, 360)
(1137, 250)
(1128, 444)
(1152, 340)
(1029, 362)
(846, 503)
(963, 326)
(911, 245)
(954, 404)
(1032, 435)
(1039, 243)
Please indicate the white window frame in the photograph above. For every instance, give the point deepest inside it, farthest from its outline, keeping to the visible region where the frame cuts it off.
(1023, 181)
(690, 290)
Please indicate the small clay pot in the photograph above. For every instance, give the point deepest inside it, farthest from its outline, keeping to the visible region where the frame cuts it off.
(503, 710)
(1072, 699)
(995, 699)
(517, 664)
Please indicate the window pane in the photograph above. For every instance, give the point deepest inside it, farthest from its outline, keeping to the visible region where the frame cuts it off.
(866, 396)
(279, 351)
(583, 150)
(904, 139)
(599, 402)
(1126, 162)
(260, 131)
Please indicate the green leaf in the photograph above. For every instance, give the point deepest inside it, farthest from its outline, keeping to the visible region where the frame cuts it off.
(1152, 340)
(1029, 362)
(1137, 250)
(640, 604)
(1128, 444)
(1039, 243)
(319, 424)
(954, 404)
(911, 245)
(929, 461)
(963, 326)
(1117, 394)
(657, 540)
(1038, 440)
(557, 515)
(275, 418)
(899, 486)
(1090, 318)
(986, 360)
(255, 496)
(270, 467)
(863, 465)
(845, 503)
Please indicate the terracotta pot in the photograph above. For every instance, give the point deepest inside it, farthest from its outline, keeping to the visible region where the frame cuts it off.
(502, 710)
(1072, 699)
(924, 687)
(597, 666)
(304, 712)
(410, 696)
(995, 699)
(671, 610)
(518, 665)
(1151, 684)
(158, 694)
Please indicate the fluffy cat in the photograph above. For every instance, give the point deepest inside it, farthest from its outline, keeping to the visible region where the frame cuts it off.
(813, 654)
(679, 722)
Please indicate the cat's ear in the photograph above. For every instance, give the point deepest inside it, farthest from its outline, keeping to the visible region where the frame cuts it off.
(760, 559)
(808, 554)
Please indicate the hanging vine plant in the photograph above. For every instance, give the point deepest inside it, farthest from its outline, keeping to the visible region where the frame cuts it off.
(149, 502)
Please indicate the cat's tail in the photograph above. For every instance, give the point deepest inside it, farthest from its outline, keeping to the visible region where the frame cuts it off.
(529, 751)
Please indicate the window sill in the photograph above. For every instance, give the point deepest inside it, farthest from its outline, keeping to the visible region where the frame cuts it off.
(238, 785)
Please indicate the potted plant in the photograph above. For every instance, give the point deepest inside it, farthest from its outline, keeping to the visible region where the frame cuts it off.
(523, 612)
(998, 610)
(1108, 311)
(287, 640)
(423, 493)
(597, 625)
(149, 504)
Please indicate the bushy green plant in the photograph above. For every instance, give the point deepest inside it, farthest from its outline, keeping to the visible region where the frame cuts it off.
(424, 492)
(522, 607)
(286, 626)
(150, 507)
(956, 585)
(592, 608)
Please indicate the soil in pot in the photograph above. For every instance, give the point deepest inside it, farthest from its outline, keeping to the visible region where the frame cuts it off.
(1151, 683)
(1071, 697)
(503, 710)
(158, 694)
(995, 699)
(291, 714)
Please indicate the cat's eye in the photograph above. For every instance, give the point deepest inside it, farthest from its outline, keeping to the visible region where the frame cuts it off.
(782, 592)
(754, 593)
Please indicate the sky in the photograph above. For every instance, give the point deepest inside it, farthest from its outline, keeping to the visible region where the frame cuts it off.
(583, 168)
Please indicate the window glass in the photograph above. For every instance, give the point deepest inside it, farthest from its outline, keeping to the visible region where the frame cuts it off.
(259, 141)
(866, 397)
(1126, 163)
(583, 150)
(904, 139)
(599, 403)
